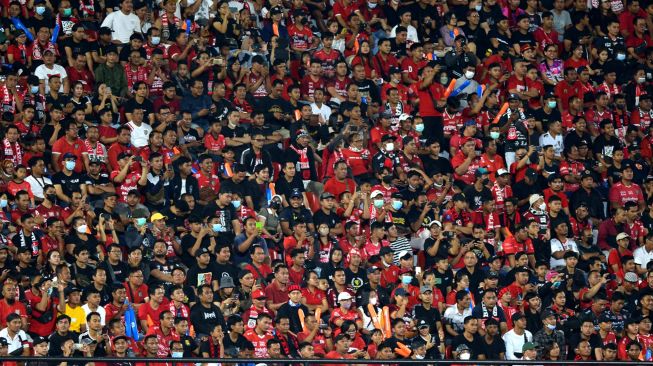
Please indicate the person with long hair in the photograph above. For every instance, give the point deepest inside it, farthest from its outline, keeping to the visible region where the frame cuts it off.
(364, 57)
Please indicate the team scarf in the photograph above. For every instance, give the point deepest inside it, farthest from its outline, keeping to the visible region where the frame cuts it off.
(35, 243)
(15, 152)
(181, 311)
(87, 9)
(486, 314)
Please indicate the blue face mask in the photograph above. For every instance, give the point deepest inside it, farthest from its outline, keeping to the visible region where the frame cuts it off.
(141, 221)
(397, 205)
(40, 10)
(494, 135)
(406, 280)
(156, 40)
(552, 104)
(3, 203)
(621, 56)
(34, 89)
(419, 127)
(177, 354)
(217, 228)
(378, 203)
(236, 204)
(67, 12)
(70, 165)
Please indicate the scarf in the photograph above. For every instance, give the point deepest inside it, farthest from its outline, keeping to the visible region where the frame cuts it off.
(165, 24)
(181, 311)
(214, 348)
(7, 99)
(13, 151)
(35, 243)
(95, 153)
(87, 10)
(486, 314)
(303, 163)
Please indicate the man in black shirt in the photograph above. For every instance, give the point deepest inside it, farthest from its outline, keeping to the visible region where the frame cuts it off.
(326, 214)
(61, 334)
(205, 315)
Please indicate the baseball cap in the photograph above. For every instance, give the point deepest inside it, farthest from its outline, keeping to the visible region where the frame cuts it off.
(395, 69)
(69, 156)
(385, 114)
(157, 216)
(404, 116)
(604, 318)
(376, 193)
(621, 236)
(292, 288)
(373, 269)
(422, 324)
(425, 289)
(513, 96)
(547, 313)
(501, 172)
(528, 346)
(201, 251)
(534, 198)
(492, 274)
(401, 292)
(38, 340)
(70, 290)
(327, 195)
(344, 296)
(123, 155)
(258, 294)
(295, 193)
(586, 174)
(276, 10)
(631, 277)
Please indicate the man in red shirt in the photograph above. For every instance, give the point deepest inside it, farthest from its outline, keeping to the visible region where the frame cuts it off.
(340, 183)
(341, 348)
(466, 161)
(9, 305)
(277, 291)
(165, 333)
(519, 242)
(567, 88)
(70, 143)
(384, 60)
(149, 314)
(312, 81)
(626, 190)
(260, 335)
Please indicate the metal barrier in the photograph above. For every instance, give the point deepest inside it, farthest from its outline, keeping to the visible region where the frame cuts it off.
(306, 362)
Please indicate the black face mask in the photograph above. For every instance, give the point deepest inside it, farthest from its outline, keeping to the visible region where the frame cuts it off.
(387, 179)
(304, 21)
(159, 255)
(51, 197)
(274, 205)
(486, 181)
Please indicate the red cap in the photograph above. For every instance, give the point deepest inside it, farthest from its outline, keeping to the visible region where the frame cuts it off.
(525, 47)
(354, 251)
(258, 294)
(292, 288)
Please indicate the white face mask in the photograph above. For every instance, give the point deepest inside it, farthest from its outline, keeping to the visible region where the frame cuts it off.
(390, 147)
(478, 7)
(469, 74)
(374, 301)
(82, 229)
(324, 231)
(542, 206)
(40, 10)
(465, 356)
(372, 5)
(641, 80)
(494, 135)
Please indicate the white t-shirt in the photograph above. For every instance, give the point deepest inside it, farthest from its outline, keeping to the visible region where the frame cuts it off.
(44, 74)
(411, 34)
(557, 143)
(37, 184)
(557, 246)
(515, 342)
(456, 319)
(100, 310)
(19, 341)
(140, 134)
(123, 25)
(642, 257)
(324, 111)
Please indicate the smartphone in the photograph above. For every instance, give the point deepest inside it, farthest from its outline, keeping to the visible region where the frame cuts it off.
(108, 90)
(138, 158)
(418, 270)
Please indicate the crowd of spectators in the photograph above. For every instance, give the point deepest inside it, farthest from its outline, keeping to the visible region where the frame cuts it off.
(349, 179)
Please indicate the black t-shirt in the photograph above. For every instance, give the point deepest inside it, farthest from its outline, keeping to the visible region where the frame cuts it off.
(90, 243)
(605, 146)
(147, 106)
(284, 188)
(441, 252)
(520, 39)
(197, 276)
(56, 340)
(476, 346)
(431, 316)
(165, 268)
(239, 343)
(545, 118)
(21, 240)
(187, 242)
(226, 270)
(76, 48)
(355, 279)
(120, 271)
(242, 188)
(443, 280)
(431, 164)
(495, 348)
(331, 219)
(204, 319)
(475, 198)
(290, 215)
(69, 183)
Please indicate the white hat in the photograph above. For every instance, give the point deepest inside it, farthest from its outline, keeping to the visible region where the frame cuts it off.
(376, 193)
(435, 222)
(622, 236)
(534, 198)
(501, 172)
(404, 117)
(344, 296)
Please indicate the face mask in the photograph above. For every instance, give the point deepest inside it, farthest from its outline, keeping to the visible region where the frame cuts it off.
(552, 104)
(419, 357)
(372, 5)
(3, 203)
(51, 197)
(444, 80)
(236, 204)
(82, 229)
(141, 221)
(406, 280)
(374, 301)
(70, 165)
(542, 206)
(621, 106)
(156, 40)
(486, 181)
(324, 232)
(390, 147)
(478, 7)
(40, 10)
(177, 354)
(67, 12)
(397, 205)
(494, 135)
(419, 127)
(34, 89)
(551, 327)
(469, 74)
(387, 179)
(465, 356)
(621, 56)
(217, 228)
(641, 80)
(275, 205)
(378, 203)
(346, 305)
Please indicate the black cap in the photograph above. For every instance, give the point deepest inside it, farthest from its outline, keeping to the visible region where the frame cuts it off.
(513, 96)
(123, 155)
(327, 195)
(548, 313)
(626, 165)
(70, 290)
(395, 69)
(458, 197)
(276, 10)
(296, 193)
(201, 251)
(3, 342)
